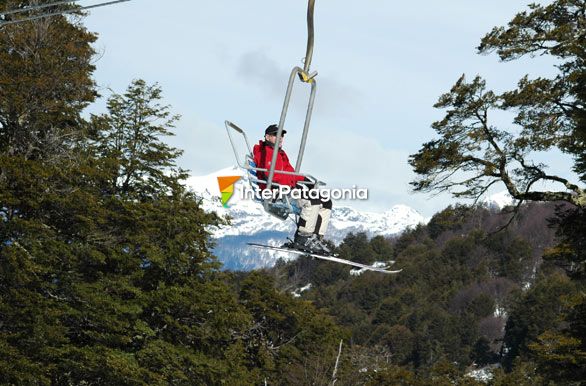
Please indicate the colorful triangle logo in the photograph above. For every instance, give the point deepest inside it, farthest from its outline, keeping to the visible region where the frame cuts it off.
(226, 185)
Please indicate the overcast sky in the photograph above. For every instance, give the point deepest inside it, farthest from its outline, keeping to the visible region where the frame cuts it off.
(382, 65)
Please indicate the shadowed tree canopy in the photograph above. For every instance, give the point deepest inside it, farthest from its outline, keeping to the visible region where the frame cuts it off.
(45, 83)
(471, 154)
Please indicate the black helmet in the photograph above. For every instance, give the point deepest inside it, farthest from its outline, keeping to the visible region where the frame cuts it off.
(272, 130)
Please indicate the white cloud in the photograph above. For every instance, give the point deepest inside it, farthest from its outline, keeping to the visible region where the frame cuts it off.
(205, 145)
(344, 159)
(263, 72)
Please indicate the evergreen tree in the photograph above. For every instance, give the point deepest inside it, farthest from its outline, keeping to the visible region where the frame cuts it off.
(45, 83)
(535, 312)
(111, 286)
(106, 274)
(131, 135)
(449, 304)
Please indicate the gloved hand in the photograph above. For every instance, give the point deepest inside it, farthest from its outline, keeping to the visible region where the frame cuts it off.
(306, 182)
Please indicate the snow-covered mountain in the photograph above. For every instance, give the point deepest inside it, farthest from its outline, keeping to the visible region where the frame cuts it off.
(499, 200)
(250, 223)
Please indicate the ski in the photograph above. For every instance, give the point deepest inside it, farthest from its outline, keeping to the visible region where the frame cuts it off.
(328, 258)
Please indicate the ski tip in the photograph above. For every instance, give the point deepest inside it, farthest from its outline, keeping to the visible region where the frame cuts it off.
(358, 270)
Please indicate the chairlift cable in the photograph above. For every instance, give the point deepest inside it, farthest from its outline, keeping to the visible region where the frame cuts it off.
(64, 12)
(33, 7)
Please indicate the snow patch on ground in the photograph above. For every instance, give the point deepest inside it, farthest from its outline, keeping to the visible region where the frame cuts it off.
(298, 291)
(500, 312)
(483, 374)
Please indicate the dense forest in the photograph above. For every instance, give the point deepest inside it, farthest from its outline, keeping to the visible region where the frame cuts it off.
(107, 275)
(469, 297)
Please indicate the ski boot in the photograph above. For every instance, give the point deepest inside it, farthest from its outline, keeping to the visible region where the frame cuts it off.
(320, 246)
(300, 243)
(310, 244)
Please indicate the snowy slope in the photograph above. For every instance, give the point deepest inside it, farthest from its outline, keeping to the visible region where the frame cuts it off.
(249, 223)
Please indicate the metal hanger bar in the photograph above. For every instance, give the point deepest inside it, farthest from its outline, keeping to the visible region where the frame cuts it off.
(229, 125)
(295, 71)
(306, 126)
(309, 52)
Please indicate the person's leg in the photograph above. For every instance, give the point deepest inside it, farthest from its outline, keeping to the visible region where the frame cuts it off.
(311, 225)
(305, 238)
(308, 217)
(323, 218)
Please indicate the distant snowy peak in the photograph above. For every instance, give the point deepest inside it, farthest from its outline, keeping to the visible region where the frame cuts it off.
(393, 221)
(207, 186)
(250, 223)
(248, 217)
(499, 200)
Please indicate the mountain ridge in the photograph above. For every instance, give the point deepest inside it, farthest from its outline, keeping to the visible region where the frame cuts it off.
(251, 224)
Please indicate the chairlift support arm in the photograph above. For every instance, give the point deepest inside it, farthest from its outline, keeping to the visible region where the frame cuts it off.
(309, 51)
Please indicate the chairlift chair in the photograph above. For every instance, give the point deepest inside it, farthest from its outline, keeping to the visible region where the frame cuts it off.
(281, 208)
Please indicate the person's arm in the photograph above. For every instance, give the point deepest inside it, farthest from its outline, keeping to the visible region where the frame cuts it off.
(257, 153)
(287, 179)
(282, 179)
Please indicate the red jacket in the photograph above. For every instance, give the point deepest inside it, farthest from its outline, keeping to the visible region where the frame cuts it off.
(263, 155)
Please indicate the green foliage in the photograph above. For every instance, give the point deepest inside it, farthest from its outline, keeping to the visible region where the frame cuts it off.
(449, 219)
(514, 256)
(394, 376)
(561, 353)
(537, 310)
(46, 82)
(106, 274)
(290, 340)
(482, 352)
(131, 136)
(358, 246)
(444, 374)
(551, 111)
(570, 253)
(523, 374)
(471, 154)
(441, 308)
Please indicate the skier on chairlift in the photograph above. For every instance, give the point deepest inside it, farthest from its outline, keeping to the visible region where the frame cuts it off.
(315, 212)
(313, 207)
